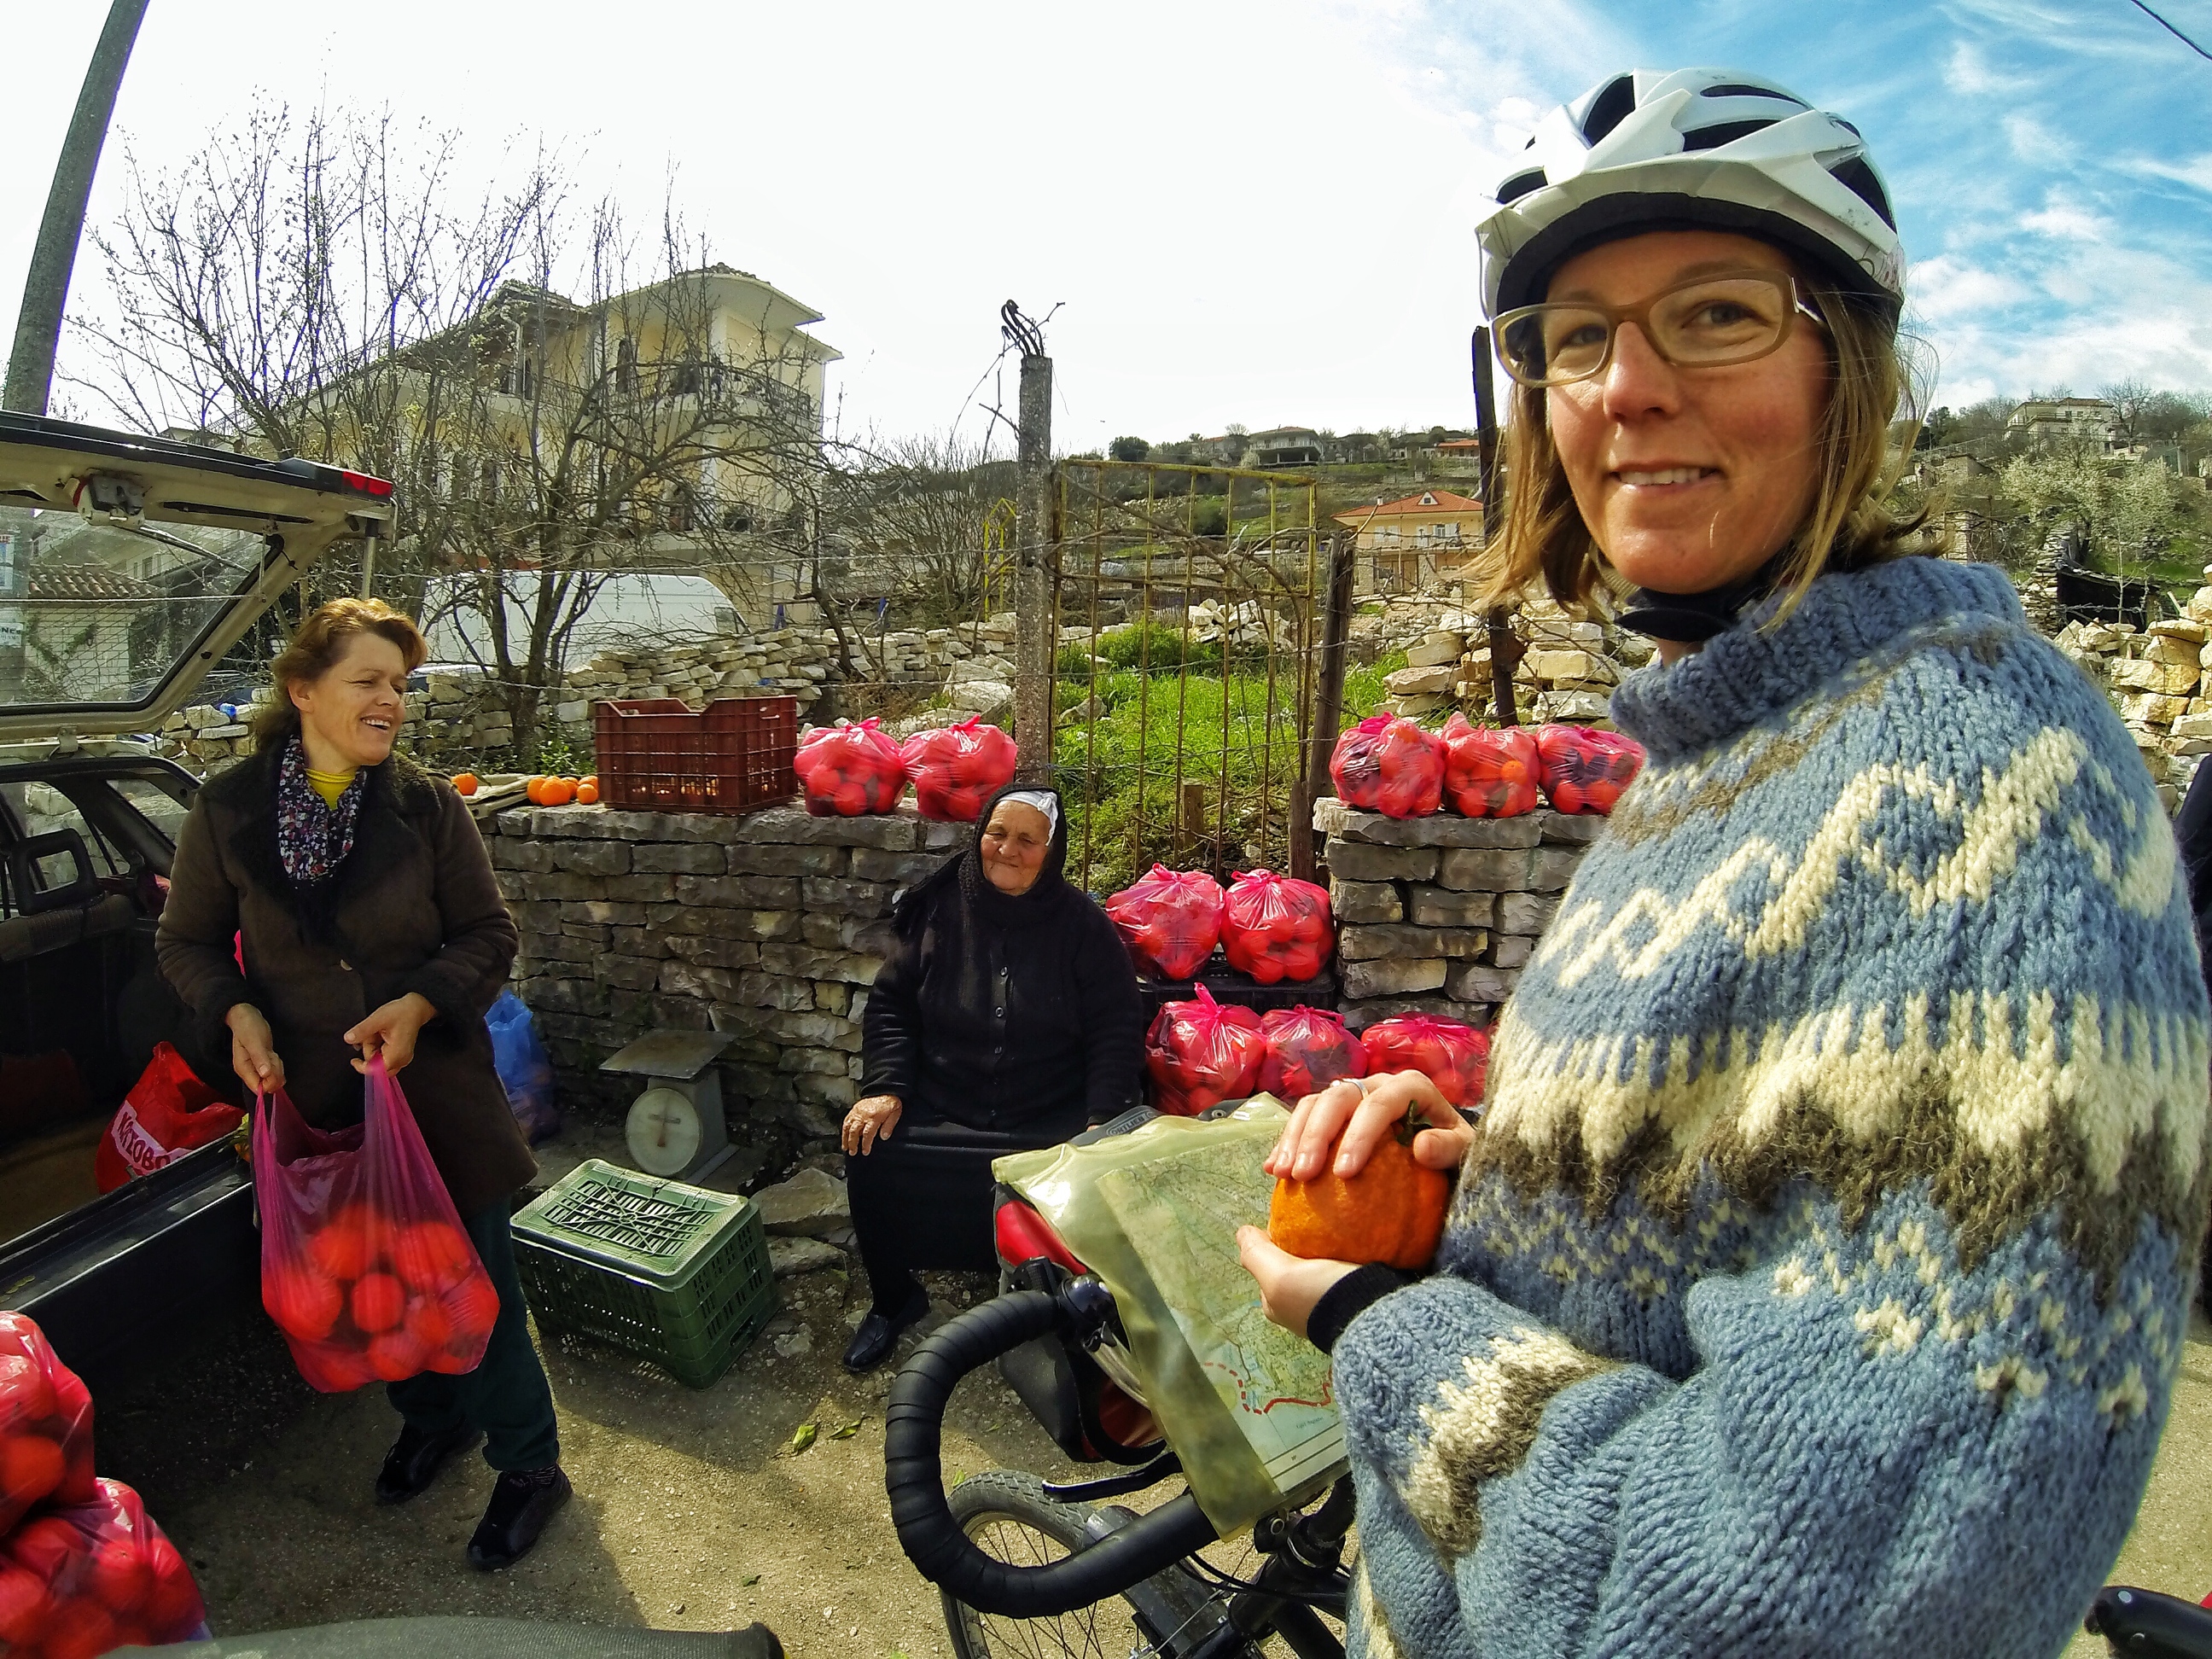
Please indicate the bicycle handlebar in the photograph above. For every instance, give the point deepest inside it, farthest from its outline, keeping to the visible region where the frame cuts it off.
(914, 1476)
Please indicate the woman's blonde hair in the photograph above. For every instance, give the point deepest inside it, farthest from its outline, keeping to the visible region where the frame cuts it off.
(316, 648)
(1851, 524)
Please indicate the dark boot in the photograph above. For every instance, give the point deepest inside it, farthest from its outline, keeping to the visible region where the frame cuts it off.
(521, 1504)
(415, 1459)
(879, 1333)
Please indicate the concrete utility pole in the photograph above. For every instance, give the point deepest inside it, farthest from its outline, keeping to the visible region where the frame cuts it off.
(1036, 555)
(45, 287)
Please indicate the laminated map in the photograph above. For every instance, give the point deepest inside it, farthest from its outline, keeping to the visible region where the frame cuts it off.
(1248, 1406)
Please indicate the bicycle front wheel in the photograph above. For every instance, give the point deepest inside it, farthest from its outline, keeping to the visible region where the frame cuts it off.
(1006, 1515)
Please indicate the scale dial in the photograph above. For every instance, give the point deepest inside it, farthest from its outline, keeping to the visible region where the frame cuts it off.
(662, 1131)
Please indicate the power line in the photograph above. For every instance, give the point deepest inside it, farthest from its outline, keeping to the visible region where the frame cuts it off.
(2170, 29)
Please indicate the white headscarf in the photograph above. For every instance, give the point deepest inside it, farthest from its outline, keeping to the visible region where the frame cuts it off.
(1043, 800)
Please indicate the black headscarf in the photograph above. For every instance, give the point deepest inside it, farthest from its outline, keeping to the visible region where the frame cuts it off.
(964, 871)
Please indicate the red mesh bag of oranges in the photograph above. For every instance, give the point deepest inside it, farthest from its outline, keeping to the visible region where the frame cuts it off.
(1308, 1049)
(1170, 919)
(847, 771)
(1389, 766)
(1200, 1054)
(1452, 1055)
(45, 1425)
(956, 769)
(1276, 927)
(1585, 769)
(83, 1580)
(365, 1267)
(1491, 772)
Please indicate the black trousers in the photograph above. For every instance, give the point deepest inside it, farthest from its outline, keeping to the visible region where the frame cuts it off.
(506, 1395)
(922, 1200)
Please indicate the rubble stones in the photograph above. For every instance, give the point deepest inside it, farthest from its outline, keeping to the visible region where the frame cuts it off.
(808, 1205)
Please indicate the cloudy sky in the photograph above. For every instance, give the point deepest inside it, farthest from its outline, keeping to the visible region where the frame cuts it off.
(1253, 210)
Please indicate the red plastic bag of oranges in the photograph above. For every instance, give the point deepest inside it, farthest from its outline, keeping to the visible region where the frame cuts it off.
(956, 769)
(46, 1426)
(1451, 1055)
(1308, 1049)
(1491, 772)
(1276, 927)
(81, 1580)
(847, 771)
(1389, 766)
(1200, 1054)
(1170, 919)
(364, 1265)
(1585, 769)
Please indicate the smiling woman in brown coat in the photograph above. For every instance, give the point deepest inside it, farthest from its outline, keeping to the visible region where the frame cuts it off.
(370, 923)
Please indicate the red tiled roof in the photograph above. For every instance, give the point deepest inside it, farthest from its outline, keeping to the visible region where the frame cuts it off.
(1430, 501)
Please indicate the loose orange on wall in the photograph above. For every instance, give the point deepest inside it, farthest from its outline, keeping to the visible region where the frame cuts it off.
(587, 792)
(464, 783)
(1392, 1212)
(534, 791)
(556, 791)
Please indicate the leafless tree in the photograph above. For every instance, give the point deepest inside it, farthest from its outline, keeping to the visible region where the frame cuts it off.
(558, 399)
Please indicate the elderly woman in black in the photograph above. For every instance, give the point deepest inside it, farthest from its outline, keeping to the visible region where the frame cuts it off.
(1006, 1017)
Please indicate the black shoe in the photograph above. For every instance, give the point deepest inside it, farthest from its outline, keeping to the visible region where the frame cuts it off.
(879, 1333)
(415, 1459)
(521, 1504)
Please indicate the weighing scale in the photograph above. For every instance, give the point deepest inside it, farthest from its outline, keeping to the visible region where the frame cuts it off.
(675, 1129)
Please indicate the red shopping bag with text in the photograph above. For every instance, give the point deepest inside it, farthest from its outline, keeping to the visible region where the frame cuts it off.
(1170, 919)
(1452, 1055)
(1308, 1049)
(1389, 766)
(1200, 1054)
(1491, 772)
(1585, 769)
(167, 1113)
(84, 1580)
(847, 771)
(45, 1425)
(1276, 927)
(365, 1267)
(956, 768)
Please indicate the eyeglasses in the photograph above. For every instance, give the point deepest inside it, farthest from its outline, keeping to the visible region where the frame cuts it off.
(1704, 323)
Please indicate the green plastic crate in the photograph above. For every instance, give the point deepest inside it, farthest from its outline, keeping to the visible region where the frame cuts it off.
(672, 1273)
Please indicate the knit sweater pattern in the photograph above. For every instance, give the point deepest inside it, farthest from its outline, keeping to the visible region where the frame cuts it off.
(1818, 1278)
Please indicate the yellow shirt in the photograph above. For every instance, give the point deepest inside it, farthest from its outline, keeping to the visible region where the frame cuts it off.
(330, 785)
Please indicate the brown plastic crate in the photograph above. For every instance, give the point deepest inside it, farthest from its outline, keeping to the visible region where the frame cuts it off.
(657, 756)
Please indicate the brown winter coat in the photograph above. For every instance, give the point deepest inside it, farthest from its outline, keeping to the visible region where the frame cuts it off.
(413, 907)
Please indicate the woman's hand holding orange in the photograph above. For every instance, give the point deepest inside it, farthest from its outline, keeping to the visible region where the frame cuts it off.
(1354, 1116)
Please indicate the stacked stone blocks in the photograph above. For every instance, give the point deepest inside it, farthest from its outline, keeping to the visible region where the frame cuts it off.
(1438, 914)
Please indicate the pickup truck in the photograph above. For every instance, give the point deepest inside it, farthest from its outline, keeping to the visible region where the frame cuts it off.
(129, 568)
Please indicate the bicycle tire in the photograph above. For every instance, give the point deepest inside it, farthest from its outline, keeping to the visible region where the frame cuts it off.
(1162, 1614)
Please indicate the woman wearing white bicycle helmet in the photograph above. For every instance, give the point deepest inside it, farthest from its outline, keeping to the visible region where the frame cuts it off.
(1816, 1279)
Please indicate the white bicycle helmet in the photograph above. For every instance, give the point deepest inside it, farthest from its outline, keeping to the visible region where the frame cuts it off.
(1699, 149)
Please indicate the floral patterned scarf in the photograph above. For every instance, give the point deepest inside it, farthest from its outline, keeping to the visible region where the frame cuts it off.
(312, 837)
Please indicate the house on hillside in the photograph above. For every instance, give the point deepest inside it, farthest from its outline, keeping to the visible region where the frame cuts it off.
(1284, 446)
(1412, 542)
(2063, 421)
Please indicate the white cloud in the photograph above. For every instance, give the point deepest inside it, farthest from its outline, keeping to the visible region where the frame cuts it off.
(2196, 172)
(1948, 287)
(1968, 71)
(2035, 143)
(2067, 220)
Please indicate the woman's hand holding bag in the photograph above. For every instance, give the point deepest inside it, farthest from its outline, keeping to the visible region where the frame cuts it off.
(253, 1050)
(389, 1033)
(365, 1266)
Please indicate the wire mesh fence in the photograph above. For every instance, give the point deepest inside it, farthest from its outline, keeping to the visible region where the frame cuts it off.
(1189, 606)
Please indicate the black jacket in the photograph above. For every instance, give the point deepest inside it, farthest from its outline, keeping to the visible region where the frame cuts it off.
(1006, 1014)
(2193, 829)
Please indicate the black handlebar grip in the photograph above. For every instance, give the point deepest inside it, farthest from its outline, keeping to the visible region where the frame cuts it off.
(914, 1476)
(2141, 1621)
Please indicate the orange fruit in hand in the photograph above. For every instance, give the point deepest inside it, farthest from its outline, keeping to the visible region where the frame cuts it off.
(1392, 1212)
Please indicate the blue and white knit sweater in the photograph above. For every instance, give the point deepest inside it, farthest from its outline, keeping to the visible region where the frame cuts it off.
(1818, 1280)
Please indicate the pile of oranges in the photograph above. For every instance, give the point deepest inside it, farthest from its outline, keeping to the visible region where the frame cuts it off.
(540, 791)
(559, 791)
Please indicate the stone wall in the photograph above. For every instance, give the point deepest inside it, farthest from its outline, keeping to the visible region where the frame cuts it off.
(2160, 681)
(1437, 915)
(770, 925)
